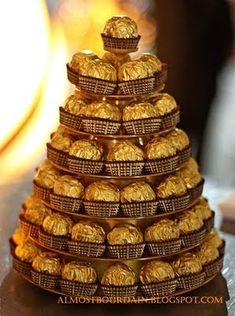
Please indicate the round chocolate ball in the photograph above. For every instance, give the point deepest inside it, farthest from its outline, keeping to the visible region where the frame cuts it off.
(156, 271)
(87, 231)
(57, 225)
(124, 234)
(119, 274)
(102, 190)
(69, 186)
(121, 26)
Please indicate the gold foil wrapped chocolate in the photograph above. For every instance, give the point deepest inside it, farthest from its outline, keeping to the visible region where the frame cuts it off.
(124, 234)
(86, 149)
(47, 262)
(189, 221)
(116, 59)
(26, 251)
(36, 213)
(125, 151)
(171, 186)
(190, 173)
(191, 165)
(165, 229)
(69, 186)
(79, 58)
(103, 110)
(32, 202)
(159, 147)
(103, 190)
(214, 239)
(156, 271)
(86, 231)
(98, 68)
(135, 69)
(75, 104)
(61, 142)
(19, 236)
(79, 272)
(164, 104)
(46, 163)
(57, 225)
(178, 138)
(46, 176)
(152, 60)
(121, 26)
(138, 111)
(62, 131)
(137, 191)
(207, 253)
(119, 274)
(187, 264)
(202, 209)
(190, 176)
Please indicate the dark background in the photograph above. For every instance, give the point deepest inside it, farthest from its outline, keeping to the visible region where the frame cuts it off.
(196, 39)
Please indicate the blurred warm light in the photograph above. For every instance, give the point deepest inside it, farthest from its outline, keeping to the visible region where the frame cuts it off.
(35, 87)
(26, 25)
(33, 67)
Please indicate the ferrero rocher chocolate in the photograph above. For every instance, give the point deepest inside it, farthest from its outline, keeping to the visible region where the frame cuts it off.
(46, 163)
(186, 264)
(190, 176)
(47, 262)
(178, 138)
(189, 221)
(79, 58)
(103, 190)
(57, 225)
(138, 111)
(171, 186)
(191, 165)
(152, 60)
(61, 142)
(62, 131)
(190, 173)
(214, 239)
(164, 104)
(86, 149)
(116, 59)
(75, 104)
(156, 271)
(202, 209)
(46, 177)
(69, 186)
(103, 110)
(165, 229)
(79, 272)
(36, 214)
(32, 202)
(26, 251)
(86, 231)
(19, 236)
(135, 69)
(207, 253)
(137, 191)
(119, 274)
(125, 151)
(124, 234)
(159, 147)
(121, 26)
(100, 69)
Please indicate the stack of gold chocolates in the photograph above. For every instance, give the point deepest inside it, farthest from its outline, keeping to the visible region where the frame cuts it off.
(117, 207)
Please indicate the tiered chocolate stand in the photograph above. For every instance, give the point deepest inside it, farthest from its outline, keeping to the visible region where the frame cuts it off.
(109, 214)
